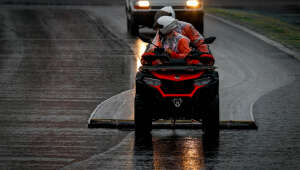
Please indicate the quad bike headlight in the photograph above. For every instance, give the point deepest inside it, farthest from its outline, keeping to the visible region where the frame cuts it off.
(201, 82)
(152, 82)
(193, 4)
(142, 4)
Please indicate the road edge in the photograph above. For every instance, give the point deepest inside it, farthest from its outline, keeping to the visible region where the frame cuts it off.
(258, 35)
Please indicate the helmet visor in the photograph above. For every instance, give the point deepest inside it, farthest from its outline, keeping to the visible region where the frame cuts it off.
(169, 28)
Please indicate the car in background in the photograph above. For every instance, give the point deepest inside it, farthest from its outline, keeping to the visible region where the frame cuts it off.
(140, 13)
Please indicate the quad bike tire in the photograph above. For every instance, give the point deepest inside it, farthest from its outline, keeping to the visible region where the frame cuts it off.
(211, 119)
(142, 116)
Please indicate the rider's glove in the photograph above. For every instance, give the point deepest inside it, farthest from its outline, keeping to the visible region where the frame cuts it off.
(147, 58)
(192, 62)
(156, 62)
(207, 59)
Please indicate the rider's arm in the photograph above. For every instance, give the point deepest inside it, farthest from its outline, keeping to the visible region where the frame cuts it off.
(192, 33)
(183, 49)
(196, 38)
(156, 41)
(150, 51)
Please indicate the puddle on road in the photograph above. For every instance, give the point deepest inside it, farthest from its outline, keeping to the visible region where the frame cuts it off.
(163, 149)
(187, 151)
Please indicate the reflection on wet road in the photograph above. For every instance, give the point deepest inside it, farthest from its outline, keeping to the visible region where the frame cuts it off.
(56, 65)
(187, 152)
(139, 50)
(170, 150)
(163, 149)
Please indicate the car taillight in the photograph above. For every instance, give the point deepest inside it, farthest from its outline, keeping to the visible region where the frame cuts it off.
(152, 82)
(142, 4)
(193, 4)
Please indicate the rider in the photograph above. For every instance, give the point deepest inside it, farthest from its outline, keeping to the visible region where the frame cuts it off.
(185, 29)
(175, 44)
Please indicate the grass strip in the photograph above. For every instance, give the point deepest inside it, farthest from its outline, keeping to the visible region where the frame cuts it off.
(277, 30)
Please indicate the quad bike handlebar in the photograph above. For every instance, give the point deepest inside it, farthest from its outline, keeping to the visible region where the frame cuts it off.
(172, 64)
(160, 53)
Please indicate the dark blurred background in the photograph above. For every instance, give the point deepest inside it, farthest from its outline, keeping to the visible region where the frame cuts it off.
(285, 10)
(257, 4)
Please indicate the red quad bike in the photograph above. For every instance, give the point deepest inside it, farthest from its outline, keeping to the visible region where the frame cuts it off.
(177, 91)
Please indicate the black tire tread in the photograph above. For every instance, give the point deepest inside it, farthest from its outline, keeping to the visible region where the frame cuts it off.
(142, 116)
(211, 120)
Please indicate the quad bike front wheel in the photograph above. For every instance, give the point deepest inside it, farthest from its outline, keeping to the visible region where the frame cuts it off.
(142, 116)
(211, 119)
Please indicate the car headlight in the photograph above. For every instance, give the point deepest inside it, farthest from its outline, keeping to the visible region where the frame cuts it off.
(193, 4)
(202, 82)
(142, 4)
(151, 81)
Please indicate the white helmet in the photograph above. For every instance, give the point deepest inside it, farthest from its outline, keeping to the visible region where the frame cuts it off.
(166, 24)
(169, 10)
(165, 11)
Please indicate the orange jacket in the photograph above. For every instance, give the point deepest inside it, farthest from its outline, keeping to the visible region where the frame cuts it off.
(178, 44)
(175, 42)
(190, 32)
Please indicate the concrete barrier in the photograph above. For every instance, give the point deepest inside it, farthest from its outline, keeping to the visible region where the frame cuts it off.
(118, 112)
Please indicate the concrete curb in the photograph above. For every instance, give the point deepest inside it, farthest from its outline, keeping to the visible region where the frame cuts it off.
(259, 36)
(166, 124)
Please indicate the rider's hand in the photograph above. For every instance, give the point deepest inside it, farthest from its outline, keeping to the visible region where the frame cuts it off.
(157, 62)
(169, 51)
(144, 62)
(193, 62)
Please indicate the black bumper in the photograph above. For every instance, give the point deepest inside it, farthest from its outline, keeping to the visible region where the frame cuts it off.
(146, 18)
(190, 107)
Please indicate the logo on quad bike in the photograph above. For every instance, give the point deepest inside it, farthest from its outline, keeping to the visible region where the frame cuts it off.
(177, 102)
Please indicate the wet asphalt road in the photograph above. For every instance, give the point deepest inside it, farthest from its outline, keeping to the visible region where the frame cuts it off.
(52, 76)
(57, 64)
